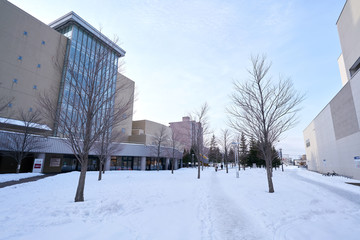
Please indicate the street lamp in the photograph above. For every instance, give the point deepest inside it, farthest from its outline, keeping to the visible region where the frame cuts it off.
(236, 158)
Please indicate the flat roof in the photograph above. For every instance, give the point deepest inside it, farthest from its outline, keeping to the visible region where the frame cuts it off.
(73, 17)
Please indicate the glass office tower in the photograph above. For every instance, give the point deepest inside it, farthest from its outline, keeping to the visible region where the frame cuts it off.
(89, 54)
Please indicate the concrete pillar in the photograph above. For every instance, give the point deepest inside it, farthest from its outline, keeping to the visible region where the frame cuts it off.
(107, 164)
(176, 164)
(167, 163)
(143, 163)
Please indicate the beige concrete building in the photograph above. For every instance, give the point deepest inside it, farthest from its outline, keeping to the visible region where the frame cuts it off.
(332, 140)
(125, 99)
(29, 50)
(145, 132)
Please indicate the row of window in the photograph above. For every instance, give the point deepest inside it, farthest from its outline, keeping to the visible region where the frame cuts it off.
(26, 34)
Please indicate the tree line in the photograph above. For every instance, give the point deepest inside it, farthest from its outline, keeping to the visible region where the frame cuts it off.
(248, 152)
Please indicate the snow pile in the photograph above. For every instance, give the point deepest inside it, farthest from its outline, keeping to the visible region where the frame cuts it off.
(159, 205)
(16, 177)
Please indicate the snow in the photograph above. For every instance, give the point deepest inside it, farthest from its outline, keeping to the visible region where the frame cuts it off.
(21, 123)
(158, 205)
(16, 177)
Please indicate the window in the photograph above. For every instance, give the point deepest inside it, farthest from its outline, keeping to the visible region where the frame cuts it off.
(19, 58)
(43, 42)
(35, 87)
(10, 105)
(30, 109)
(123, 130)
(39, 65)
(15, 80)
(355, 67)
(25, 33)
(307, 143)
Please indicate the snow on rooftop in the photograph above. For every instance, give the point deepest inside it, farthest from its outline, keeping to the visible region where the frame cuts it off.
(22, 124)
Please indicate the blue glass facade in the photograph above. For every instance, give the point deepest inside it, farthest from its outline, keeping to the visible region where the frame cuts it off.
(88, 59)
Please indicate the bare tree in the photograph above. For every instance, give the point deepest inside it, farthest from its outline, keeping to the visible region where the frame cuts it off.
(159, 140)
(201, 129)
(21, 144)
(87, 105)
(104, 148)
(174, 144)
(264, 109)
(226, 144)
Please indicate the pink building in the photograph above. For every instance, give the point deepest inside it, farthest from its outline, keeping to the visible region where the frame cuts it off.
(186, 131)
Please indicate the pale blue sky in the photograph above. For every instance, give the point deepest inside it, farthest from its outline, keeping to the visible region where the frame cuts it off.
(183, 53)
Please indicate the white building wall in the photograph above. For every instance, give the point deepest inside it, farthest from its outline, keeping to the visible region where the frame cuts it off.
(327, 151)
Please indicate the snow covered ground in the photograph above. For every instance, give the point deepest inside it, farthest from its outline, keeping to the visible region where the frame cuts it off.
(159, 205)
(16, 177)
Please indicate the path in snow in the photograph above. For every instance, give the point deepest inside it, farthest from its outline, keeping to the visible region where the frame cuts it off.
(352, 197)
(326, 205)
(221, 217)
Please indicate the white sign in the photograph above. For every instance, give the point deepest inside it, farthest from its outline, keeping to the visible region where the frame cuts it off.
(55, 162)
(38, 165)
(357, 163)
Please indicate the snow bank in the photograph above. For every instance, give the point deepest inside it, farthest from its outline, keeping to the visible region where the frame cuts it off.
(159, 205)
(5, 177)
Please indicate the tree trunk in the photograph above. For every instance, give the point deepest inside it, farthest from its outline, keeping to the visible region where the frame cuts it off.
(172, 166)
(198, 168)
(158, 163)
(269, 177)
(79, 197)
(18, 167)
(100, 170)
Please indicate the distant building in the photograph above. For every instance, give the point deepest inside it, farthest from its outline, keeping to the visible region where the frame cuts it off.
(186, 130)
(144, 132)
(332, 140)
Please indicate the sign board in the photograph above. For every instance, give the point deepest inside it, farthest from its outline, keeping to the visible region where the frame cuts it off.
(38, 165)
(357, 163)
(55, 162)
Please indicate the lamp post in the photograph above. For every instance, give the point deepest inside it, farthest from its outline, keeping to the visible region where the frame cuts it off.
(236, 158)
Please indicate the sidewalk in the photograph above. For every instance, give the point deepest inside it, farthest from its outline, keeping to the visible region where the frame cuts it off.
(25, 180)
